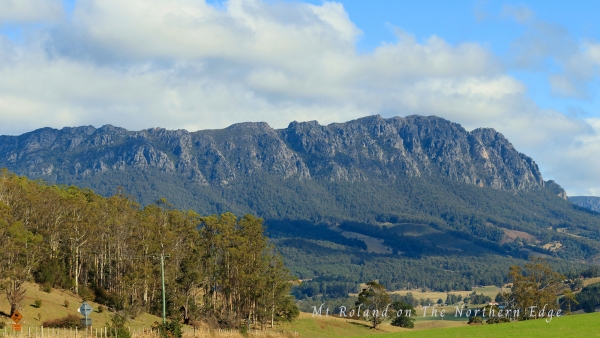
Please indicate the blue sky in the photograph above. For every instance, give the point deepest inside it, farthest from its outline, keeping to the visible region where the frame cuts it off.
(529, 69)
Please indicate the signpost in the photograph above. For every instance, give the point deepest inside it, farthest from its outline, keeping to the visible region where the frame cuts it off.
(85, 309)
(16, 317)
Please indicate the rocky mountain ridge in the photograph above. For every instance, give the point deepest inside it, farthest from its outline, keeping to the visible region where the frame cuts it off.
(588, 202)
(359, 150)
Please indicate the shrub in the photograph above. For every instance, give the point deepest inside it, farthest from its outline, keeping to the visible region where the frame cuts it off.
(86, 294)
(68, 322)
(117, 325)
(170, 329)
(37, 303)
(66, 303)
(46, 287)
(100, 309)
(475, 320)
(2, 325)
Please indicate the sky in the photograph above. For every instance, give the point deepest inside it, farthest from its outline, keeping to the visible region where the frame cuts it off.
(528, 69)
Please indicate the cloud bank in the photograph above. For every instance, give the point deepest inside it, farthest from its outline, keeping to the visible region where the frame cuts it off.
(188, 64)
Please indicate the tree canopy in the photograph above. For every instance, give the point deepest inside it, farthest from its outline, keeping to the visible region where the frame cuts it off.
(220, 269)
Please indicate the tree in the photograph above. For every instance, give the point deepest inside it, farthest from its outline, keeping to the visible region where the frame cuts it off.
(374, 302)
(577, 284)
(403, 316)
(568, 300)
(589, 297)
(535, 286)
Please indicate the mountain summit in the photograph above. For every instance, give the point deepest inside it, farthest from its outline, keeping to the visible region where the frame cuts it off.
(360, 150)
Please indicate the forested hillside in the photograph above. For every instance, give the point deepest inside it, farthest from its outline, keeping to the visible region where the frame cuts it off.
(218, 269)
(421, 194)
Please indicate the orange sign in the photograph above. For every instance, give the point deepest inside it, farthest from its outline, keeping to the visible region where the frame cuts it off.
(17, 327)
(16, 317)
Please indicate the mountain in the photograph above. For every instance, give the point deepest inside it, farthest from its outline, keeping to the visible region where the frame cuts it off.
(588, 202)
(340, 199)
(360, 150)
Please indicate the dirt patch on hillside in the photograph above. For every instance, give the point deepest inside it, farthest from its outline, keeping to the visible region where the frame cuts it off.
(512, 235)
(553, 246)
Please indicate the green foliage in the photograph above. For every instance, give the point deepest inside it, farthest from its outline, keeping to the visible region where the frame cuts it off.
(105, 249)
(170, 329)
(86, 294)
(592, 272)
(66, 303)
(536, 285)
(37, 303)
(475, 320)
(475, 298)
(403, 316)
(116, 327)
(373, 300)
(589, 297)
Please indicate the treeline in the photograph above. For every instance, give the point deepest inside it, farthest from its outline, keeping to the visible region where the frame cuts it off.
(218, 269)
(459, 271)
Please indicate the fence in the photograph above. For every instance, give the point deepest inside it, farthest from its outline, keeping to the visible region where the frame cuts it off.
(136, 332)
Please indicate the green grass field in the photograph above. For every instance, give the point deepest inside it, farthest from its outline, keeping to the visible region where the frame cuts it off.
(584, 325)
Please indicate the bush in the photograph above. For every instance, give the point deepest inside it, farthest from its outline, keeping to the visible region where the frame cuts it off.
(100, 309)
(2, 325)
(134, 310)
(46, 287)
(66, 303)
(170, 329)
(475, 320)
(68, 322)
(117, 325)
(403, 320)
(86, 294)
(37, 303)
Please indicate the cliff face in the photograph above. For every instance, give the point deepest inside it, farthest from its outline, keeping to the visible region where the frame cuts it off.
(359, 150)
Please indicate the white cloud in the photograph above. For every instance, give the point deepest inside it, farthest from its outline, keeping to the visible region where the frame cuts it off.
(18, 11)
(186, 64)
(579, 70)
(519, 13)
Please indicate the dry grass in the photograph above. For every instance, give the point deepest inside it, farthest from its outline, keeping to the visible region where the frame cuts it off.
(489, 290)
(512, 235)
(96, 333)
(53, 307)
(589, 281)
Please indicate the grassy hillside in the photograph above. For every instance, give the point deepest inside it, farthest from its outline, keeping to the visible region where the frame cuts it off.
(53, 307)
